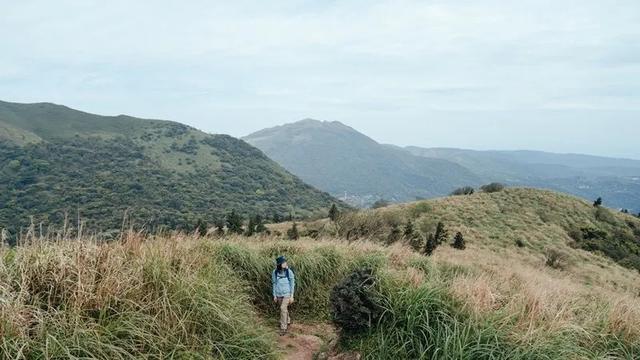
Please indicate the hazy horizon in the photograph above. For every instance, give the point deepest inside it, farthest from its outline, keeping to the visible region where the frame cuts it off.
(531, 75)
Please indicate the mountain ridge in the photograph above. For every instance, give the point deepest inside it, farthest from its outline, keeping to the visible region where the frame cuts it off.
(158, 173)
(337, 158)
(615, 179)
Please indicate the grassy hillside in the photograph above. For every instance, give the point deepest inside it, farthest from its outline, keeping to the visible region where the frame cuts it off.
(56, 162)
(530, 221)
(336, 158)
(187, 297)
(616, 180)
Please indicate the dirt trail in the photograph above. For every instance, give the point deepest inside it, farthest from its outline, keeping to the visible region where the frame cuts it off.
(311, 342)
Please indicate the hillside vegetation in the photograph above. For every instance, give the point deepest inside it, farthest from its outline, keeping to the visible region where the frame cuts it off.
(338, 159)
(617, 180)
(342, 161)
(185, 296)
(58, 163)
(188, 297)
(530, 221)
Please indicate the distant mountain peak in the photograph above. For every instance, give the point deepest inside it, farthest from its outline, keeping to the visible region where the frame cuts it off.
(321, 124)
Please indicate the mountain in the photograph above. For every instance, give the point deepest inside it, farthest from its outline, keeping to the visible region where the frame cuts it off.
(616, 180)
(57, 162)
(336, 158)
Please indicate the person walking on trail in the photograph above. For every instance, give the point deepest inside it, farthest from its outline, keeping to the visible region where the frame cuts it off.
(284, 285)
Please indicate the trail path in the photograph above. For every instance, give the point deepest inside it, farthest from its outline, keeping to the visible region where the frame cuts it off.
(311, 342)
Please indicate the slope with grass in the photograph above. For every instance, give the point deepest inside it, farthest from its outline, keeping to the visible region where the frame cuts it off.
(616, 180)
(533, 220)
(57, 162)
(188, 297)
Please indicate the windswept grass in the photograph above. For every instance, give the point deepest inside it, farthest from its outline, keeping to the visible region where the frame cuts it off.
(157, 300)
(187, 297)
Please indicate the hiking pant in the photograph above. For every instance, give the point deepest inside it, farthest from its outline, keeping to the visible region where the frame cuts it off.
(285, 320)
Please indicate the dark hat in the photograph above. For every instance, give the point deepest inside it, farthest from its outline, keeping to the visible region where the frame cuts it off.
(281, 260)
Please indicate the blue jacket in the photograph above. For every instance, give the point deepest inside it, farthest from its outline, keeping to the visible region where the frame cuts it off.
(283, 285)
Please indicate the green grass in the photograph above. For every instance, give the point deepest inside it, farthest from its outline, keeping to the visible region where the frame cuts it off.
(183, 297)
(539, 218)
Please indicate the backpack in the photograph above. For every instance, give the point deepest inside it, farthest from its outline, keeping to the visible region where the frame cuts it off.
(288, 275)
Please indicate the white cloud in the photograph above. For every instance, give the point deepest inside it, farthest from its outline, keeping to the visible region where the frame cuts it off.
(257, 63)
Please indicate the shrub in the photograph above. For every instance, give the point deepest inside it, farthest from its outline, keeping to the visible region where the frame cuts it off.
(354, 308)
(555, 258)
(201, 227)
(380, 204)
(520, 243)
(598, 202)
(394, 235)
(430, 245)
(293, 233)
(409, 230)
(234, 222)
(334, 213)
(441, 236)
(414, 239)
(606, 216)
(466, 190)
(493, 187)
(458, 242)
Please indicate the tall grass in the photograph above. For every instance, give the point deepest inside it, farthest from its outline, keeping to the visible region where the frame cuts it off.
(124, 301)
(191, 298)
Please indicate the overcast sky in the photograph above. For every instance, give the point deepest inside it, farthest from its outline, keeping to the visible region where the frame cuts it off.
(558, 75)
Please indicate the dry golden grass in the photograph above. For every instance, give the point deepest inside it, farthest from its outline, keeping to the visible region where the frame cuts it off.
(542, 300)
(56, 283)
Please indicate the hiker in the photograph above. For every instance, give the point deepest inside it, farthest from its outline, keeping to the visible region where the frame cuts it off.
(284, 284)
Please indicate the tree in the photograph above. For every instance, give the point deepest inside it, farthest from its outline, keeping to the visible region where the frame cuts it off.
(394, 235)
(409, 231)
(276, 218)
(293, 233)
(202, 227)
(234, 222)
(219, 223)
(251, 227)
(412, 237)
(466, 190)
(431, 245)
(259, 223)
(380, 204)
(598, 202)
(441, 234)
(458, 242)
(334, 213)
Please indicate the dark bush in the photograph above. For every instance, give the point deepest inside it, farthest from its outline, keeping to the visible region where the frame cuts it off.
(466, 190)
(431, 245)
(334, 213)
(354, 307)
(520, 243)
(598, 202)
(458, 242)
(493, 187)
(293, 233)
